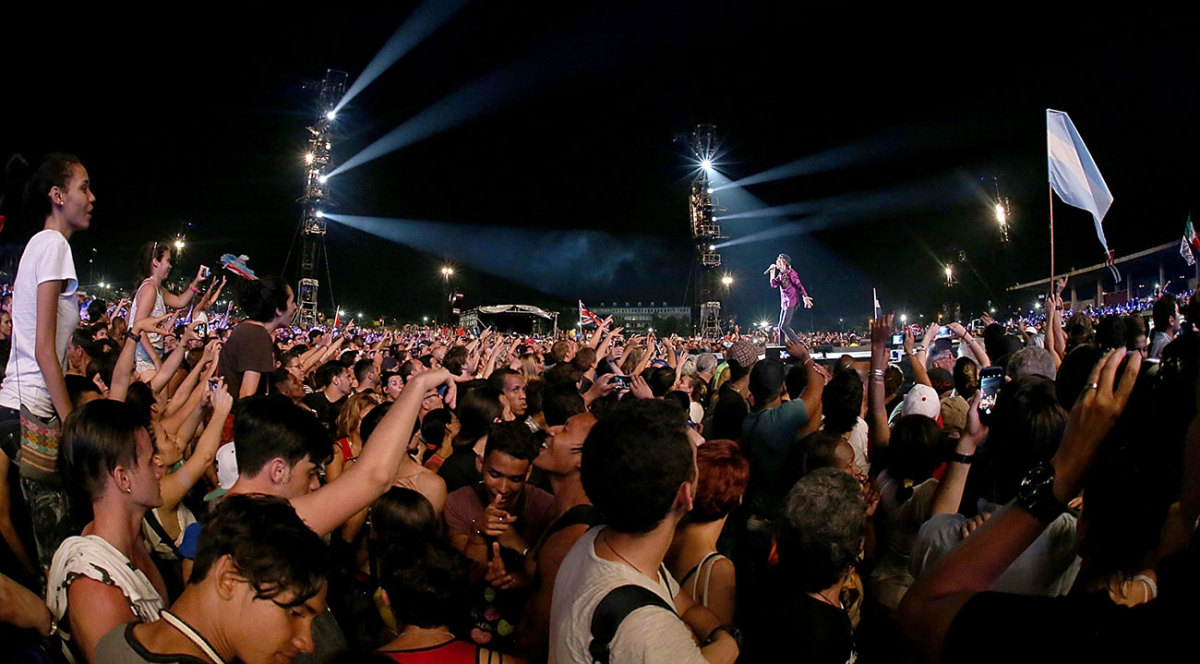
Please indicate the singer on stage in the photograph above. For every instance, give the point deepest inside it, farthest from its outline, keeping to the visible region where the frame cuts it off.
(791, 295)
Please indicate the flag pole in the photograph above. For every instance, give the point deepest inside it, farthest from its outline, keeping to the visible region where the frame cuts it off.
(1050, 186)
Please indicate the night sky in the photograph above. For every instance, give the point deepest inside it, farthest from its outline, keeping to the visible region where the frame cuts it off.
(558, 177)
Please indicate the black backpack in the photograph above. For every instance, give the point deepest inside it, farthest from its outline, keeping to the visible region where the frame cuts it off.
(612, 609)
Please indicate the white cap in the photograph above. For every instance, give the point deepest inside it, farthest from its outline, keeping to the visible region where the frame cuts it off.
(921, 400)
(227, 470)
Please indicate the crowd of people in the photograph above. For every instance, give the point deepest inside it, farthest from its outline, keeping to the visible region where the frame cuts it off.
(178, 485)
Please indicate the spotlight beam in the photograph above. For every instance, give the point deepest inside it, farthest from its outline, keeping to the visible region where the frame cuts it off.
(893, 145)
(566, 262)
(423, 21)
(946, 189)
(544, 65)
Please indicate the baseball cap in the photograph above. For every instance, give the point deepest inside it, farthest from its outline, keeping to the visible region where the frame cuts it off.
(227, 472)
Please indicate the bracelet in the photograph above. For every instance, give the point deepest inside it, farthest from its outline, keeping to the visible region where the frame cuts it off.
(919, 348)
(194, 289)
(877, 373)
(962, 458)
(732, 631)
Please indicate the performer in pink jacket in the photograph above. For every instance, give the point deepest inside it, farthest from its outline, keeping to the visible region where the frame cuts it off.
(791, 295)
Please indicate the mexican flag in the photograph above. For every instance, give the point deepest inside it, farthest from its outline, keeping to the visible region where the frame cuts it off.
(1189, 242)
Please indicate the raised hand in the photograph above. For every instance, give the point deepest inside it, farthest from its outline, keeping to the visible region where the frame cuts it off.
(881, 332)
(639, 388)
(1092, 418)
(497, 576)
(931, 334)
(220, 397)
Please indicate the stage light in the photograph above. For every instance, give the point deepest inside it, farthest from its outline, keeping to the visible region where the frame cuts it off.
(712, 247)
(1001, 216)
(179, 244)
(949, 272)
(903, 318)
(710, 190)
(323, 179)
(763, 323)
(330, 115)
(727, 280)
(309, 158)
(320, 214)
(706, 164)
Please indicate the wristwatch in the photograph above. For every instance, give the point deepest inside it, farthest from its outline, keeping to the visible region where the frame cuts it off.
(728, 629)
(1036, 493)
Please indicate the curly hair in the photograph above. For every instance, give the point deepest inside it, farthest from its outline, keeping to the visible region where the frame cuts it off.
(269, 544)
(821, 528)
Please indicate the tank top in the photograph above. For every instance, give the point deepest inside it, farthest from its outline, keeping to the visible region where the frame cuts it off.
(160, 308)
(450, 652)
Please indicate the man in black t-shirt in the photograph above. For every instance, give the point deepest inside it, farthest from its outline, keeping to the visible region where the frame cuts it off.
(249, 352)
(335, 382)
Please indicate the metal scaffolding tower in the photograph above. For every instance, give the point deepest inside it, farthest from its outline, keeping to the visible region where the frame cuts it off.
(705, 235)
(318, 163)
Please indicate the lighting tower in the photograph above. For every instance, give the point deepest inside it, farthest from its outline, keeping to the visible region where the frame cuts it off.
(317, 163)
(705, 234)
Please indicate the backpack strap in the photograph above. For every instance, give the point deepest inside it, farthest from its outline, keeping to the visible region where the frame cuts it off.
(152, 520)
(612, 609)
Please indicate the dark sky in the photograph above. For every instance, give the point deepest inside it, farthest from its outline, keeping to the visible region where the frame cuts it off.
(560, 179)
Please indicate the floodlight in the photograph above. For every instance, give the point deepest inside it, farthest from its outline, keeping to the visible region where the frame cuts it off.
(309, 158)
(322, 179)
(1001, 216)
(706, 164)
(330, 115)
(320, 214)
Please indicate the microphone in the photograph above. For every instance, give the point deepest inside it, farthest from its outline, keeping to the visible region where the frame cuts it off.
(770, 268)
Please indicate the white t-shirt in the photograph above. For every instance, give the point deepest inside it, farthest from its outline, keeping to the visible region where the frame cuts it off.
(47, 257)
(648, 634)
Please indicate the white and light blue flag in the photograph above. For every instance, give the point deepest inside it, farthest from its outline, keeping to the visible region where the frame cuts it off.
(1073, 174)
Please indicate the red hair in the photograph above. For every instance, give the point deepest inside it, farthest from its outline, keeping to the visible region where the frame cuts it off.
(723, 472)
